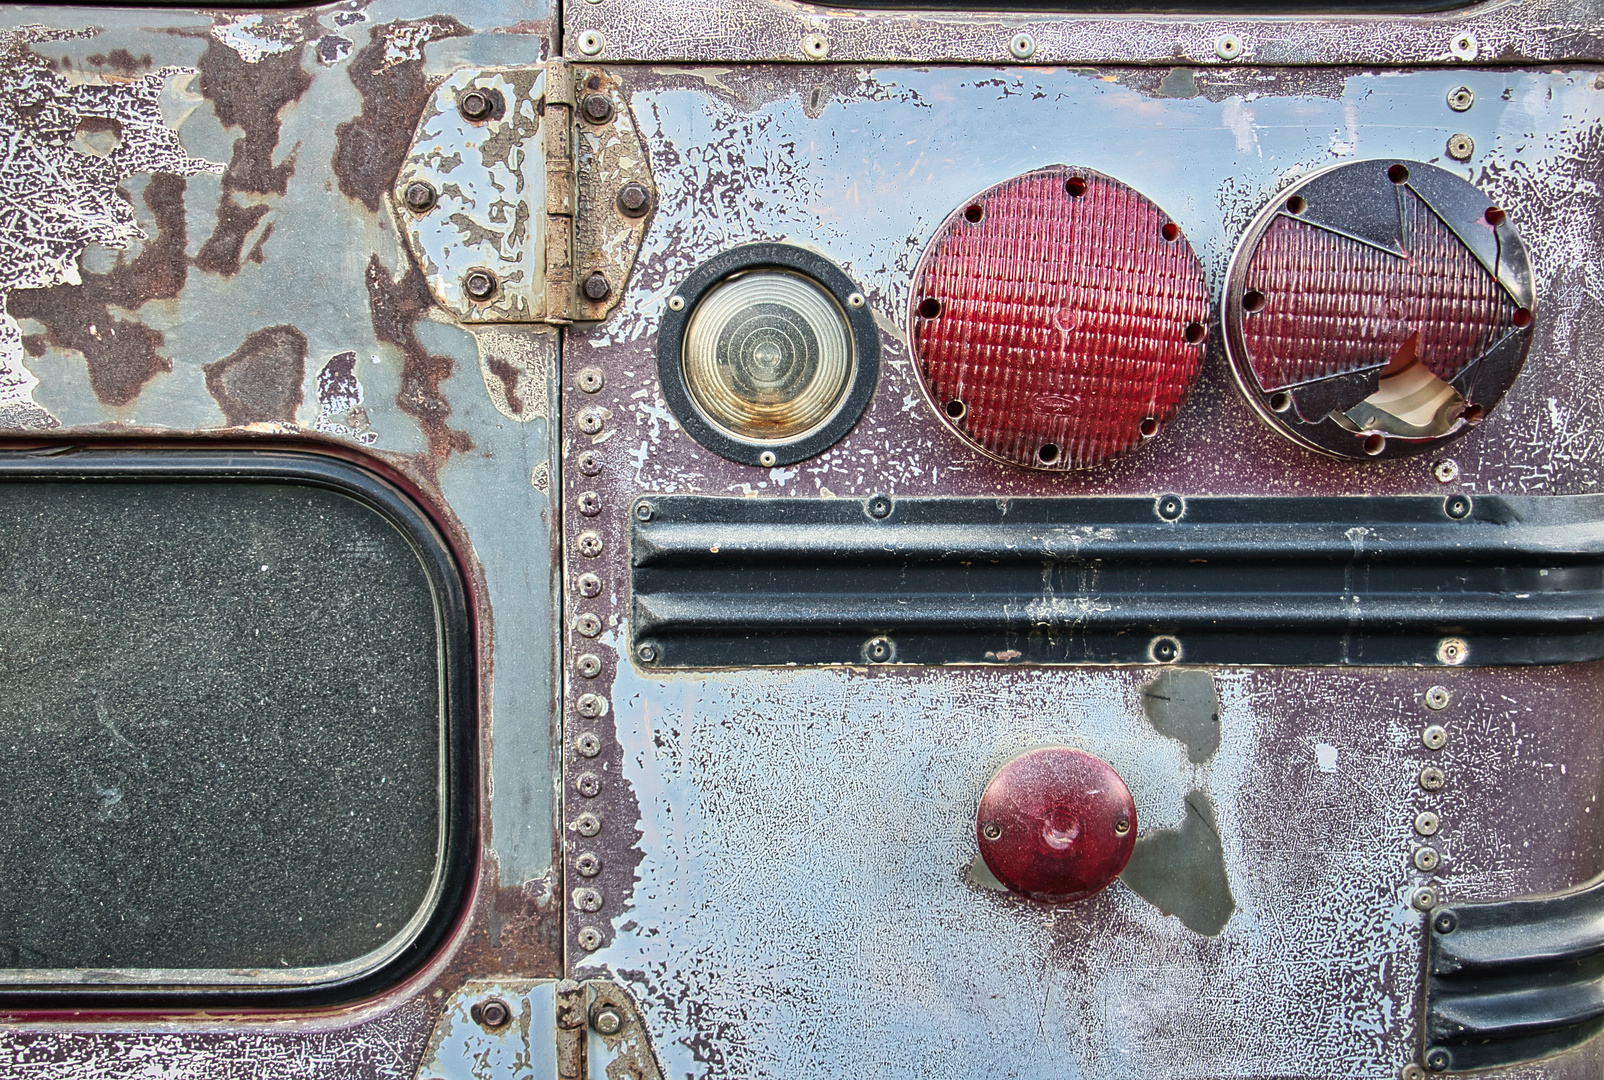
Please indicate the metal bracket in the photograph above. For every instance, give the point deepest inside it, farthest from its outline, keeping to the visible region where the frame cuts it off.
(526, 194)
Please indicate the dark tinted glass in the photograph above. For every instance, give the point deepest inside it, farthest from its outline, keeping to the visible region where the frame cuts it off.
(220, 726)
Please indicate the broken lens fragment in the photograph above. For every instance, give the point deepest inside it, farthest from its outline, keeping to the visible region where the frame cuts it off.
(1378, 308)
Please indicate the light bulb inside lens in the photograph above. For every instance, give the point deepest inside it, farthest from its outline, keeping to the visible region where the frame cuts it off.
(768, 356)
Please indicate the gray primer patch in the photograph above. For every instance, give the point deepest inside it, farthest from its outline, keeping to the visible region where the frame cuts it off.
(1182, 871)
(1185, 706)
(1179, 83)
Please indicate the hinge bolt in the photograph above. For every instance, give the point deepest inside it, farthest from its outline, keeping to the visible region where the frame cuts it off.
(597, 288)
(480, 285)
(634, 200)
(477, 105)
(607, 1021)
(597, 108)
(420, 197)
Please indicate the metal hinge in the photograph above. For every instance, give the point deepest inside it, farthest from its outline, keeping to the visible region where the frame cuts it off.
(526, 193)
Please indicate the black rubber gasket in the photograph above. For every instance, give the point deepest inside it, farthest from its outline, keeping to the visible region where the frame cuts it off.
(454, 621)
(671, 351)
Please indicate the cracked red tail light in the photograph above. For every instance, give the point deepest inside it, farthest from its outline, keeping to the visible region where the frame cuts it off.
(1376, 309)
(1058, 319)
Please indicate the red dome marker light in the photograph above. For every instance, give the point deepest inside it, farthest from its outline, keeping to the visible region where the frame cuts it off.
(1056, 824)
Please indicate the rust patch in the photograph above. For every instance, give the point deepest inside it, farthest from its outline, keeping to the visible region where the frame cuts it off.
(250, 97)
(508, 377)
(260, 382)
(122, 354)
(369, 150)
(396, 305)
(221, 252)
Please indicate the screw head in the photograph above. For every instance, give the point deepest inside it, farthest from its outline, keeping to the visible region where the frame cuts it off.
(478, 105)
(991, 830)
(879, 507)
(588, 744)
(1433, 778)
(1461, 147)
(590, 463)
(597, 288)
(589, 938)
(1446, 471)
(587, 824)
(588, 785)
(1434, 737)
(590, 706)
(1426, 859)
(588, 625)
(1228, 46)
(1452, 651)
(491, 1015)
(1461, 98)
(1122, 826)
(597, 108)
(590, 380)
(480, 285)
(590, 543)
(588, 899)
(634, 200)
(643, 511)
(1427, 823)
(1023, 46)
(1423, 899)
(420, 196)
(647, 652)
(588, 863)
(1166, 650)
(607, 1021)
(589, 665)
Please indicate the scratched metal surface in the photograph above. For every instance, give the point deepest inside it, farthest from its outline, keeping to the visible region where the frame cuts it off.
(721, 31)
(785, 856)
(194, 241)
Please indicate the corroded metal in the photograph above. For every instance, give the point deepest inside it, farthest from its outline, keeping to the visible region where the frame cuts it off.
(492, 1030)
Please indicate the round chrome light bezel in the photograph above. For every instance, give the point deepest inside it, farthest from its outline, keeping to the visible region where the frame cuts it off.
(857, 321)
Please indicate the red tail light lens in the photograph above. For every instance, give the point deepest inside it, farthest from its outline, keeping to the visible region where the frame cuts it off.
(1378, 308)
(1058, 319)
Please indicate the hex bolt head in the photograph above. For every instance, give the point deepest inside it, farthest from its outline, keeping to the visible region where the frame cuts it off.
(420, 196)
(590, 463)
(591, 706)
(1446, 471)
(1461, 147)
(589, 665)
(1426, 859)
(588, 863)
(588, 744)
(588, 625)
(588, 899)
(1427, 823)
(589, 938)
(607, 1021)
(590, 544)
(590, 380)
(1437, 698)
(1423, 899)
(480, 285)
(492, 1015)
(589, 585)
(1433, 778)
(588, 785)
(643, 511)
(647, 652)
(1434, 737)
(597, 288)
(587, 824)
(597, 108)
(477, 105)
(1461, 98)
(634, 200)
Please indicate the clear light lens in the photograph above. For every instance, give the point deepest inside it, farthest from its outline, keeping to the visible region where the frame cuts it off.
(768, 356)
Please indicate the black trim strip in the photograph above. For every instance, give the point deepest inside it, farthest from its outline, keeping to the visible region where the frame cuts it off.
(460, 801)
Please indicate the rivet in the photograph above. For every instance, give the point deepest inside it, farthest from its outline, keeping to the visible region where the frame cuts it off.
(590, 463)
(589, 665)
(591, 706)
(588, 863)
(597, 287)
(589, 937)
(1427, 823)
(1464, 47)
(1023, 46)
(1446, 471)
(588, 785)
(589, 585)
(1228, 46)
(880, 507)
(1166, 650)
(590, 543)
(588, 899)
(647, 652)
(1434, 737)
(856, 300)
(607, 1021)
(1457, 507)
(589, 503)
(1452, 651)
(643, 511)
(591, 42)
(634, 200)
(1432, 778)
(1412, 1071)
(1461, 147)
(588, 625)
(591, 421)
(815, 46)
(587, 824)
(767, 459)
(419, 197)
(1438, 1060)
(1461, 98)
(597, 108)
(676, 303)
(1423, 899)
(480, 285)
(590, 380)
(878, 650)
(1426, 859)
(588, 744)
(1445, 922)
(1170, 507)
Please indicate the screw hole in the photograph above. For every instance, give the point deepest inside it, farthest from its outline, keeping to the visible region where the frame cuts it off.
(1297, 204)
(1495, 216)
(1048, 453)
(1474, 414)
(1522, 318)
(956, 409)
(1075, 186)
(974, 213)
(1280, 401)
(930, 308)
(1149, 427)
(1398, 174)
(1195, 333)
(1170, 231)
(1375, 444)
(1253, 300)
